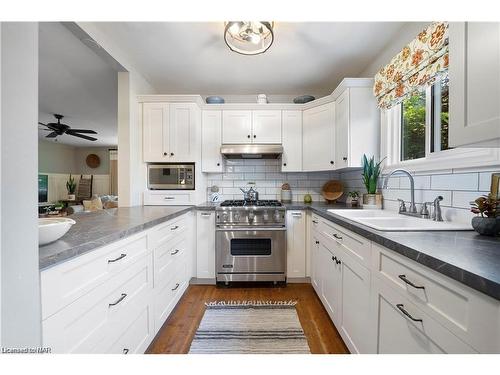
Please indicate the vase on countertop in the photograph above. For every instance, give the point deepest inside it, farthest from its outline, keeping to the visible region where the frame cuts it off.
(71, 197)
(372, 200)
(486, 226)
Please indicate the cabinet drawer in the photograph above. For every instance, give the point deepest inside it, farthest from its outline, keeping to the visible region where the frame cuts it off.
(90, 323)
(168, 293)
(66, 282)
(165, 198)
(398, 333)
(473, 317)
(356, 246)
(137, 335)
(166, 231)
(167, 257)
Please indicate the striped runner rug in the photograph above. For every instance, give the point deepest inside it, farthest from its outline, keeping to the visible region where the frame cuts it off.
(250, 327)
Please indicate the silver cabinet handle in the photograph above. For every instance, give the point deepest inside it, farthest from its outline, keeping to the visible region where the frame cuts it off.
(117, 259)
(176, 287)
(174, 252)
(297, 214)
(118, 300)
(205, 214)
(403, 277)
(174, 228)
(401, 308)
(169, 198)
(337, 236)
(125, 351)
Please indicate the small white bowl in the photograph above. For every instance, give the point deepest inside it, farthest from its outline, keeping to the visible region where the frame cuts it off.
(53, 228)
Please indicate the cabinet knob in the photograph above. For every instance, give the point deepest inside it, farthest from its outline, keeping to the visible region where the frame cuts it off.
(317, 242)
(344, 158)
(164, 154)
(284, 164)
(254, 136)
(331, 162)
(248, 136)
(171, 154)
(218, 164)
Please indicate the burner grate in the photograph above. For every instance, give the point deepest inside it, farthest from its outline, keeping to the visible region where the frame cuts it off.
(259, 203)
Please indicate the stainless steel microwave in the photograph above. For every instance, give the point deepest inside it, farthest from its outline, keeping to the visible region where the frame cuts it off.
(171, 176)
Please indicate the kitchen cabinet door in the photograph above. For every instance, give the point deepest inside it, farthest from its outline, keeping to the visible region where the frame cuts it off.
(205, 235)
(155, 124)
(296, 244)
(266, 127)
(319, 138)
(330, 281)
(474, 86)
(236, 127)
(211, 141)
(291, 160)
(342, 130)
(315, 264)
(183, 133)
(354, 308)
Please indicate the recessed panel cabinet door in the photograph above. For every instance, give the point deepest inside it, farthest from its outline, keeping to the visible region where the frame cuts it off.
(315, 262)
(205, 229)
(296, 244)
(211, 140)
(330, 282)
(474, 74)
(266, 127)
(319, 138)
(342, 138)
(291, 160)
(236, 127)
(155, 132)
(183, 134)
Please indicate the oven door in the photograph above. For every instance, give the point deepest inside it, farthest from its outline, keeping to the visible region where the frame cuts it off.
(171, 177)
(251, 251)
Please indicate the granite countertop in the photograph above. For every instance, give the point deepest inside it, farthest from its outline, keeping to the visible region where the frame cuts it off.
(96, 229)
(461, 255)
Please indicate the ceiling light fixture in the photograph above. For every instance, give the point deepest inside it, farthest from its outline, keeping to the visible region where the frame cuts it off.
(249, 37)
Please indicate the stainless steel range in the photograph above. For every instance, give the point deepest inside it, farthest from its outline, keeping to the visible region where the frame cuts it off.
(250, 241)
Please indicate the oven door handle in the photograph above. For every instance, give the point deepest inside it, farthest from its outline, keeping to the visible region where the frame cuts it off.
(249, 229)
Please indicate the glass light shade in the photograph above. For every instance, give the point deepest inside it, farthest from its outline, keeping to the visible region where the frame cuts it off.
(249, 37)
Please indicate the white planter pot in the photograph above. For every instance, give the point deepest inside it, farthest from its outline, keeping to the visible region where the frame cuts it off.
(71, 197)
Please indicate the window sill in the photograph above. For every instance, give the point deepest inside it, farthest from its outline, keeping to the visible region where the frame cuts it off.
(451, 159)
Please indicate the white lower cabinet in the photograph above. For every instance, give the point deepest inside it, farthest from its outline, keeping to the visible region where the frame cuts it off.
(205, 252)
(116, 298)
(296, 244)
(383, 302)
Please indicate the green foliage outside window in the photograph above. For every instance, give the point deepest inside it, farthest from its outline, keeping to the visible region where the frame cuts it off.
(413, 127)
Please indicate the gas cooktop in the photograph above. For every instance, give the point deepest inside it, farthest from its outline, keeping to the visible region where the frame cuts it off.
(244, 203)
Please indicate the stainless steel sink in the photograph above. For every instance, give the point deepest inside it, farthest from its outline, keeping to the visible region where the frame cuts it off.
(390, 221)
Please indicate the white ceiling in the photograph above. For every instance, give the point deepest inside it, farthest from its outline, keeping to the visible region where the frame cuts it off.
(192, 58)
(78, 84)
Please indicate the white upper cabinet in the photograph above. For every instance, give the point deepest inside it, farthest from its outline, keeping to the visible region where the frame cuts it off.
(291, 160)
(357, 127)
(171, 132)
(211, 141)
(236, 127)
(474, 74)
(319, 138)
(155, 131)
(266, 126)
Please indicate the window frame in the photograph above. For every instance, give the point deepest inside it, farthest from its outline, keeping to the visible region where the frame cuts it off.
(446, 160)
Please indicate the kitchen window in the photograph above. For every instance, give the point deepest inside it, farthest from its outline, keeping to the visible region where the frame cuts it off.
(424, 122)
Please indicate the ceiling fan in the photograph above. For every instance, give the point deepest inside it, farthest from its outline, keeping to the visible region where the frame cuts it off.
(56, 129)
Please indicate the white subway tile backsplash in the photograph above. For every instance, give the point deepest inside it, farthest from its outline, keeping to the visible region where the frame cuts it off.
(421, 182)
(460, 181)
(485, 180)
(462, 199)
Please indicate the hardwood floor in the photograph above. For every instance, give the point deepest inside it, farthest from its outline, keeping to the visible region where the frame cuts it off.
(178, 331)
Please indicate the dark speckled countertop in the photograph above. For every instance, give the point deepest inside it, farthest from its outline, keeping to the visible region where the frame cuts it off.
(463, 256)
(95, 229)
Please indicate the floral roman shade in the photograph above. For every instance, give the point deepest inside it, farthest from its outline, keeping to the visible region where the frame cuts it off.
(417, 66)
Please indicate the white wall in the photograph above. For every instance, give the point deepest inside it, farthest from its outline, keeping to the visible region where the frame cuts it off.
(407, 33)
(20, 283)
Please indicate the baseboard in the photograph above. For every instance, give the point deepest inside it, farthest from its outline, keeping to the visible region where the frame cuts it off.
(197, 281)
(298, 280)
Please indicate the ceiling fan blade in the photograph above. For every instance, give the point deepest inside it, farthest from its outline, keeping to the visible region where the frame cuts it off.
(81, 136)
(41, 123)
(51, 135)
(82, 131)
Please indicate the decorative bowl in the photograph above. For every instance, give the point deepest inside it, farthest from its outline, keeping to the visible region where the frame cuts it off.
(53, 228)
(303, 99)
(214, 100)
(332, 190)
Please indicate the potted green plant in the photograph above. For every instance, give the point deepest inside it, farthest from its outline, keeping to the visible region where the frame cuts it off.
(371, 173)
(71, 187)
(352, 198)
(488, 224)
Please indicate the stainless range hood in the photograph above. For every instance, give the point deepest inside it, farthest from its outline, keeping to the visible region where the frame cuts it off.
(254, 151)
